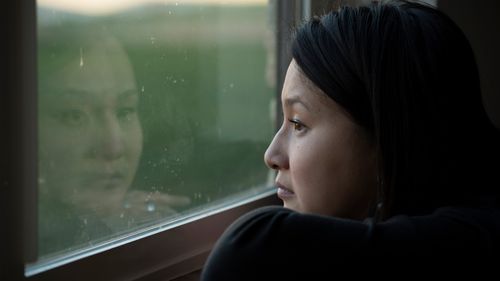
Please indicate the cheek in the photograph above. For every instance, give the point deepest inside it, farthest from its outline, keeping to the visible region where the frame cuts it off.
(61, 153)
(133, 140)
(315, 172)
(60, 170)
(64, 160)
(57, 139)
(331, 177)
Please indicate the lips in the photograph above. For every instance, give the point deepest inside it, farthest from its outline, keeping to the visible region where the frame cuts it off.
(284, 192)
(107, 180)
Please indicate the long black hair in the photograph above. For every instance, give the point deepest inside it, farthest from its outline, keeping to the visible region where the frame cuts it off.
(406, 73)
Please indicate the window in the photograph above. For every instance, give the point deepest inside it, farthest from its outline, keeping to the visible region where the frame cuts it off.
(148, 113)
(148, 123)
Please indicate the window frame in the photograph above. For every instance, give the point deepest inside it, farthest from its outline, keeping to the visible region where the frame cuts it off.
(168, 254)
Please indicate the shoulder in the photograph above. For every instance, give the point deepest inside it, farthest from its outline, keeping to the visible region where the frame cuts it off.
(275, 240)
(449, 232)
(281, 226)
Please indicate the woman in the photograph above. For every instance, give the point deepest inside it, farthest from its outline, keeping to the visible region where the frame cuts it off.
(385, 149)
(90, 144)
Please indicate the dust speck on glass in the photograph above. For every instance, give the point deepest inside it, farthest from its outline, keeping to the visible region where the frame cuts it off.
(148, 111)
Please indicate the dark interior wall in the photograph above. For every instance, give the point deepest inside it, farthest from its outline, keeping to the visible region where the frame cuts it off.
(480, 22)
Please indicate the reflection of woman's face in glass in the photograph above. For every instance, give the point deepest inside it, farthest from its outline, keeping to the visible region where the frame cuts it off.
(90, 135)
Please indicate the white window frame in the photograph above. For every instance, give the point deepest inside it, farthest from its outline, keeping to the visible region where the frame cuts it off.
(167, 254)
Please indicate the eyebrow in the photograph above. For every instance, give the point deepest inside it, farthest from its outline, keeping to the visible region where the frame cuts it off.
(296, 100)
(73, 93)
(128, 93)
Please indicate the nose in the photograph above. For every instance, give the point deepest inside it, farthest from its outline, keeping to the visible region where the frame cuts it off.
(276, 156)
(110, 142)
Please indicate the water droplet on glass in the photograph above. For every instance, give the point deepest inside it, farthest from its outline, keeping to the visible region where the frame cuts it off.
(150, 206)
(169, 12)
(81, 57)
(126, 205)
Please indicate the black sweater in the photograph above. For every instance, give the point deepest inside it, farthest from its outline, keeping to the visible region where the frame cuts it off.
(279, 244)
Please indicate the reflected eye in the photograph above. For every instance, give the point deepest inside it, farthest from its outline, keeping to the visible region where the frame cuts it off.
(72, 118)
(297, 125)
(126, 114)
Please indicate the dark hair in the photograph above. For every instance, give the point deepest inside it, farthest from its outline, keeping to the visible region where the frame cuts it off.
(407, 74)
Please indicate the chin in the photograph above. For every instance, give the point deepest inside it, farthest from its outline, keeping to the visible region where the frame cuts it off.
(292, 206)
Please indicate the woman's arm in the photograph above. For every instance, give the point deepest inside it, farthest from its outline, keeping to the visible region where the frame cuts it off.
(275, 242)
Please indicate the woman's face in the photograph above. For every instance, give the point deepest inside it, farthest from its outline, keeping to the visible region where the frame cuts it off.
(90, 135)
(325, 161)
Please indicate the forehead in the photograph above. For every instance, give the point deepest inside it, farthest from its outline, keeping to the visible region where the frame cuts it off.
(297, 88)
(101, 67)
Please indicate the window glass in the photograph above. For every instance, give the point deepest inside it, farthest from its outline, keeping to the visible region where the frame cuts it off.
(149, 111)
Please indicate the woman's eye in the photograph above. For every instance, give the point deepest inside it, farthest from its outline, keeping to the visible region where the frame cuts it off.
(297, 125)
(72, 118)
(126, 114)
